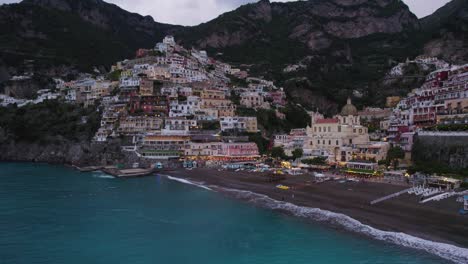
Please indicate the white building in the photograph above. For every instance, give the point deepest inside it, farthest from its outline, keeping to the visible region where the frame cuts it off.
(185, 108)
(235, 123)
(130, 82)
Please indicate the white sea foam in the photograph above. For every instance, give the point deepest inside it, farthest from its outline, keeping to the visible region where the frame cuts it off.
(198, 184)
(446, 251)
(102, 175)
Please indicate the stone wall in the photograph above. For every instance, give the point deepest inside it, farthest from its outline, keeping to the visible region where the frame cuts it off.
(445, 148)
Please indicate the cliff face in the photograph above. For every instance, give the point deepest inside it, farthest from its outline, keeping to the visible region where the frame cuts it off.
(83, 33)
(447, 32)
(73, 153)
(315, 23)
(447, 152)
(345, 46)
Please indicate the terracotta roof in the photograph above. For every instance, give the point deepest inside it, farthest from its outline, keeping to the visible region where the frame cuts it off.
(327, 121)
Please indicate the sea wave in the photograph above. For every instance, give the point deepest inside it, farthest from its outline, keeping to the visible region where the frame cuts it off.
(450, 252)
(198, 184)
(102, 175)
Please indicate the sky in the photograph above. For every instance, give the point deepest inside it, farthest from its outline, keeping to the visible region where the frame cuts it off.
(194, 12)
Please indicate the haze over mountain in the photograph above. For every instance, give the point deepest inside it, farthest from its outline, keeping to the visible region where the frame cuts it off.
(194, 12)
(345, 46)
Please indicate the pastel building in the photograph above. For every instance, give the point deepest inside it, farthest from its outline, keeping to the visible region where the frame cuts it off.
(241, 124)
(253, 100)
(130, 125)
(342, 138)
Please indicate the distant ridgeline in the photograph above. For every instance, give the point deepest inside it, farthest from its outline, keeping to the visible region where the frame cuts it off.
(441, 152)
(320, 51)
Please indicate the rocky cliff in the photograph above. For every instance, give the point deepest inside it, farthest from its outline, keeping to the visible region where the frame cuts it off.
(447, 32)
(345, 46)
(72, 153)
(314, 23)
(446, 152)
(83, 33)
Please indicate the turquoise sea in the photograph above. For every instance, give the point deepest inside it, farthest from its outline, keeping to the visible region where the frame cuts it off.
(55, 215)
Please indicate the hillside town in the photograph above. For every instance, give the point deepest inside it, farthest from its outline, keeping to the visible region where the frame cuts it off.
(174, 105)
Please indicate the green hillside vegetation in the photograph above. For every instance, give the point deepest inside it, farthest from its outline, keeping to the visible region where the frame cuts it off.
(48, 122)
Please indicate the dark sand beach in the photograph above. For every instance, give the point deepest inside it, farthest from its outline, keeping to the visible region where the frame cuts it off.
(434, 221)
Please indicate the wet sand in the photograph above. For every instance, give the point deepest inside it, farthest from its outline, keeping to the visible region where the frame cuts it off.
(434, 221)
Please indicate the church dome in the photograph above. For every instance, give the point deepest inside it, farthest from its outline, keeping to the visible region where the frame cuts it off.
(349, 109)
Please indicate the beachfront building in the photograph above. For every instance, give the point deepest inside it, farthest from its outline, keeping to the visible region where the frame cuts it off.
(362, 166)
(163, 146)
(238, 151)
(372, 151)
(199, 150)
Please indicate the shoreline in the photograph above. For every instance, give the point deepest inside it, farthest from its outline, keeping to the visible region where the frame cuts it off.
(436, 227)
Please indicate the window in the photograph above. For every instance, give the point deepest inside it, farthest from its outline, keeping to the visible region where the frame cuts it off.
(339, 128)
(329, 129)
(329, 142)
(350, 141)
(320, 129)
(337, 143)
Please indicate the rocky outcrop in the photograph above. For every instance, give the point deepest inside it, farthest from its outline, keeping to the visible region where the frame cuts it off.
(448, 149)
(50, 32)
(316, 23)
(447, 32)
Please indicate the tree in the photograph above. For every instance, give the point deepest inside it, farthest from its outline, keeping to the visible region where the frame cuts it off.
(261, 142)
(316, 161)
(278, 152)
(394, 154)
(297, 153)
(235, 98)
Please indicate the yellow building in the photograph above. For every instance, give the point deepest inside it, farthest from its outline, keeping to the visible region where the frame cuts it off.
(342, 137)
(215, 103)
(393, 101)
(226, 111)
(139, 124)
(212, 94)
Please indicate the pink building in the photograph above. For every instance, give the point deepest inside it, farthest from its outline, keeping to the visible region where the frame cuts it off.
(277, 97)
(239, 151)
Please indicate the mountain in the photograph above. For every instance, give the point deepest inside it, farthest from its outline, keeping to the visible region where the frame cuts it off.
(83, 33)
(344, 45)
(336, 48)
(447, 31)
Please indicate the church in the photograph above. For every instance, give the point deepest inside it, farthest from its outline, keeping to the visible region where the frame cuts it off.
(342, 139)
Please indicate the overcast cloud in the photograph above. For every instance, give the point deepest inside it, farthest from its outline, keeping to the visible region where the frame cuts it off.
(193, 12)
